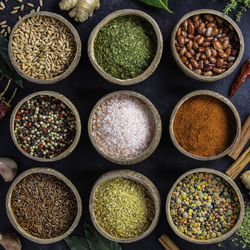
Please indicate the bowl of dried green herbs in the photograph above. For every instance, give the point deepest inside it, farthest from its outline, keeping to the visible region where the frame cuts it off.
(43, 205)
(44, 47)
(126, 47)
(124, 206)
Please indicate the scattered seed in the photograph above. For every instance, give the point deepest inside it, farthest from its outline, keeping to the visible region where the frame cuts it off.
(3, 22)
(4, 26)
(2, 31)
(32, 11)
(38, 8)
(20, 1)
(9, 29)
(16, 8)
(19, 17)
(2, 4)
(13, 12)
(22, 7)
(5, 34)
(30, 4)
(1, 8)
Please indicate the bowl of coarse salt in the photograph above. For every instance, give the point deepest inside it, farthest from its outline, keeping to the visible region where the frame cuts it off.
(124, 127)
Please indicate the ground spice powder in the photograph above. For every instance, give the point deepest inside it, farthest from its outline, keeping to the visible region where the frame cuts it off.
(204, 126)
(123, 208)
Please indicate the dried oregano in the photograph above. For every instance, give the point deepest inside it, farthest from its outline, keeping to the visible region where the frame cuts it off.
(126, 46)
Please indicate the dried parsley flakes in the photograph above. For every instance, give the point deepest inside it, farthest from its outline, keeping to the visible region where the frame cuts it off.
(126, 46)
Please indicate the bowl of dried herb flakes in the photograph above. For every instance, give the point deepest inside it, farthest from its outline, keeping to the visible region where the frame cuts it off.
(43, 205)
(124, 206)
(126, 47)
(204, 206)
(44, 47)
(204, 125)
(124, 127)
(45, 126)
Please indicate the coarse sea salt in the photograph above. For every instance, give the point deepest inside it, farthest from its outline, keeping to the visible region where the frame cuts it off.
(123, 126)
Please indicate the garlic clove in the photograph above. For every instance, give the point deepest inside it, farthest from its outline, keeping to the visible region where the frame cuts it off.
(10, 241)
(8, 169)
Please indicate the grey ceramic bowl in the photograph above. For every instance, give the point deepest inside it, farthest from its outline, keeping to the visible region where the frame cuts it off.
(220, 98)
(190, 73)
(155, 61)
(73, 64)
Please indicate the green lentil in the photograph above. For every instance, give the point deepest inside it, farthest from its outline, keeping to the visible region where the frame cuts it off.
(123, 208)
(125, 47)
(209, 211)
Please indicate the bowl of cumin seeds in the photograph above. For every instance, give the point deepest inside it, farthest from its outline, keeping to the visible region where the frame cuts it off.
(44, 47)
(43, 205)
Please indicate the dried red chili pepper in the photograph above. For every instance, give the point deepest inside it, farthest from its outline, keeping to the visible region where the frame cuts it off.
(5, 106)
(244, 74)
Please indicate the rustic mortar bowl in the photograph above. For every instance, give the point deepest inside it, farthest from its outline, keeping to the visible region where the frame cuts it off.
(209, 241)
(67, 102)
(73, 64)
(152, 146)
(220, 98)
(137, 177)
(190, 73)
(11, 215)
(153, 64)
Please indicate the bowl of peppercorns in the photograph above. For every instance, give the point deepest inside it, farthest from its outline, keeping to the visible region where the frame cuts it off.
(207, 45)
(45, 126)
(204, 206)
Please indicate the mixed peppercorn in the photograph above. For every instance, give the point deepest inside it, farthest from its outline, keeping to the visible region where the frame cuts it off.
(44, 126)
(203, 206)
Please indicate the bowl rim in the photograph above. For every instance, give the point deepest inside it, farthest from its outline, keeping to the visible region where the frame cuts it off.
(190, 73)
(157, 133)
(217, 239)
(11, 215)
(69, 104)
(139, 178)
(151, 68)
(219, 97)
(74, 62)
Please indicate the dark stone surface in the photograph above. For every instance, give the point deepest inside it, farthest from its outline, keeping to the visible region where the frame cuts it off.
(164, 88)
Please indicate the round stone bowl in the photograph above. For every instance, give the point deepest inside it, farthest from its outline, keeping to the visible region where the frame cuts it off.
(11, 215)
(189, 72)
(223, 236)
(137, 177)
(153, 64)
(157, 134)
(67, 102)
(73, 64)
(220, 98)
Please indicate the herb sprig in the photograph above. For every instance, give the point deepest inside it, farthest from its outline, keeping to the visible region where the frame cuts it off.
(163, 4)
(92, 240)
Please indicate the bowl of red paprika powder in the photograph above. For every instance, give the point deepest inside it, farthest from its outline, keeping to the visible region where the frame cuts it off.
(204, 125)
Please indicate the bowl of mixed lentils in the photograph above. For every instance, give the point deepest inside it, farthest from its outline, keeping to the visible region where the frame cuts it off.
(44, 47)
(125, 48)
(207, 45)
(204, 206)
(124, 206)
(45, 126)
(43, 205)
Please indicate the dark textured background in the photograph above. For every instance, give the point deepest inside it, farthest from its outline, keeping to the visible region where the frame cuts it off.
(164, 88)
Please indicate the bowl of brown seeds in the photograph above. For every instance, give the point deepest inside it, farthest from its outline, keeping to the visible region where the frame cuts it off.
(207, 45)
(43, 205)
(44, 47)
(124, 206)
(45, 126)
(124, 127)
(204, 206)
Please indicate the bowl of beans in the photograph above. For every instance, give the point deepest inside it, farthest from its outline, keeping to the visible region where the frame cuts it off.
(45, 126)
(125, 48)
(124, 206)
(204, 206)
(44, 47)
(43, 205)
(204, 125)
(124, 127)
(207, 45)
